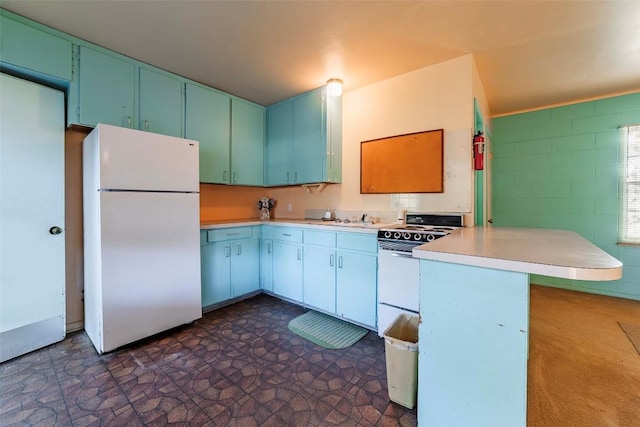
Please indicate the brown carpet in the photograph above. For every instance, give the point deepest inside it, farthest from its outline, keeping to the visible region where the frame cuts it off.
(633, 333)
(583, 371)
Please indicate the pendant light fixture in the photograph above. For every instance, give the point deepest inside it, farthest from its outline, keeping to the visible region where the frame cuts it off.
(334, 87)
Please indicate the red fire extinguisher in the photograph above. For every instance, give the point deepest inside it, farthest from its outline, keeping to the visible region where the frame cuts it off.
(478, 151)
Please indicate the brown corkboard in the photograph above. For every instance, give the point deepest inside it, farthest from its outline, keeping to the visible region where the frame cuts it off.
(411, 163)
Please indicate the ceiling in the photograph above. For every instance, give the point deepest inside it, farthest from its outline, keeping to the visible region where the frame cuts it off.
(529, 53)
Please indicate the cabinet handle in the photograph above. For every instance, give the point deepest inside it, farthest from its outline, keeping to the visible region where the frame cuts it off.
(295, 176)
(238, 249)
(235, 177)
(224, 176)
(299, 254)
(331, 260)
(287, 176)
(340, 262)
(129, 122)
(286, 234)
(227, 251)
(269, 247)
(146, 125)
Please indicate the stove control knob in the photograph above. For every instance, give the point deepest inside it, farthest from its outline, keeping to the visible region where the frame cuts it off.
(417, 237)
(387, 234)
(396, 235)
(407, 236)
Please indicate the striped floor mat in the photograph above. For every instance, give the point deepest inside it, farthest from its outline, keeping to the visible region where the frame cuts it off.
(326, 331)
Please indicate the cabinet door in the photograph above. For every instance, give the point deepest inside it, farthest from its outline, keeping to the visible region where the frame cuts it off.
(106, 89)
(34, 50)
(320, 277)
(356, 287)
(287, 270)
(266, 264)
(279, 143)
(160, 103)
(208, 121)
(247, 143)
(216, 273)
(245, 267)
(309, 137)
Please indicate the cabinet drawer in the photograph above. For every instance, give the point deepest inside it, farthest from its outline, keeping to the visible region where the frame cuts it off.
(358, 242)
(287, 234)
(234, 233)
(266, 232)
(321, 238)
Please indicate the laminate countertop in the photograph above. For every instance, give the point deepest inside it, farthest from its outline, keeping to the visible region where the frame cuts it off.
(555, 253)
(353, 227)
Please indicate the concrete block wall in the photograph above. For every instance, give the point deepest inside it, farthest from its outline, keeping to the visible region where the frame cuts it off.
(559, 168)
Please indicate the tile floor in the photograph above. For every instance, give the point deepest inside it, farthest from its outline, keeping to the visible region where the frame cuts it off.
(237, 366)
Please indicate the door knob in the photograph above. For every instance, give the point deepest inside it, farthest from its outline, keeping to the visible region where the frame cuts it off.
(55, 230)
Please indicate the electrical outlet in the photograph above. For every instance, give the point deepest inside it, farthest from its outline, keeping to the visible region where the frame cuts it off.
(290, 207)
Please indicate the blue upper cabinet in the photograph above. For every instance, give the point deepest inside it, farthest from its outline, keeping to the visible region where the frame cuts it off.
(160, 103)
(304, 140)
(247, 143)
(34, 52)
(279, 144)
(309, 137)
(208, 121)
(105, 89)
(231, 135)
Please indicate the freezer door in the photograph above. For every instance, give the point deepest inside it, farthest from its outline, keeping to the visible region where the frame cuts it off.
(136, 160)
(150, 257)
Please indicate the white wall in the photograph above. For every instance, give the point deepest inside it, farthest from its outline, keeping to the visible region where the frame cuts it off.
(435, 97)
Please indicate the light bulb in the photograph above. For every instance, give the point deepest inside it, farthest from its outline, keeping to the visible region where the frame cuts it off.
(334, 87)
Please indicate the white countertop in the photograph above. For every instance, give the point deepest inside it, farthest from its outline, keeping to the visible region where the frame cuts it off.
(359, 227)
(555, 253)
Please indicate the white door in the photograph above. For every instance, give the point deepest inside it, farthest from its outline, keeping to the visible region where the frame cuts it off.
(32, 275)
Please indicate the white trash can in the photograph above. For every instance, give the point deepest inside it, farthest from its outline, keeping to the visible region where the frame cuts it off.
(401, 354)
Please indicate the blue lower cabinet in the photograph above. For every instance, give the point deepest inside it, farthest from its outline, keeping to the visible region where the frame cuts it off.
(287, 270)
(230, 268)
(356, 286)
(245, 267)
(216, 273)
(266, 264)
(320, 278)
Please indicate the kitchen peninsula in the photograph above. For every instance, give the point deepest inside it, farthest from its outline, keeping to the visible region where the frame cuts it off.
(474, 309)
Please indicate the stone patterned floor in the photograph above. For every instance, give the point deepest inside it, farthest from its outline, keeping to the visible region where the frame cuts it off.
(237, 366)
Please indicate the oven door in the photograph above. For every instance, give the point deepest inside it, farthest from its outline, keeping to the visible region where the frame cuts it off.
(398, 283)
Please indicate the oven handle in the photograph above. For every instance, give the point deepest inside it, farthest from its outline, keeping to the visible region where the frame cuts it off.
(401, 255)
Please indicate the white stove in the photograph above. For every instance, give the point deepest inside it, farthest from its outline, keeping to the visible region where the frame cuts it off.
(418, 229)
(398, 271)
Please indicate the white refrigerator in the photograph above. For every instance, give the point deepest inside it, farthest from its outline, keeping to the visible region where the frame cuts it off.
(141, 235)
